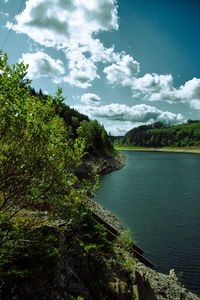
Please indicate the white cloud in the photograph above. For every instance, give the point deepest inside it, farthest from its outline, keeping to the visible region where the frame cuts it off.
(153, 83)
(152, 87)
(82, 70)
(60, 22)
(42, 65)
(195, 104)
(101, 54)
(188, 93)
(83, 62)
(119, 128)
(190, 90)
(119, 118)
(70, 25)
(90, 99)
(43, 21)
(136, 114)
(123, 72)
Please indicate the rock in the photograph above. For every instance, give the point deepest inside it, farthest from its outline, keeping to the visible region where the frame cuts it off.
(172, 275)
(101, 165)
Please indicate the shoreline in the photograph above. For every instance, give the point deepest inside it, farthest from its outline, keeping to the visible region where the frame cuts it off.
(164, 149)
(162, 286)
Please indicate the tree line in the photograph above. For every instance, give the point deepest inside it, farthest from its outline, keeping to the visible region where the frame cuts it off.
(160, 135)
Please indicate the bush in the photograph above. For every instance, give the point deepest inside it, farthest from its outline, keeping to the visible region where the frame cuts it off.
(28, 256)
(37, 155)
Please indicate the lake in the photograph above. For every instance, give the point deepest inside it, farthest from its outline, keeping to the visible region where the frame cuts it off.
(157, 196)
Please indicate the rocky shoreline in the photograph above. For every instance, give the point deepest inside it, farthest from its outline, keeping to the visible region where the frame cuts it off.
(150, 283)
(101, 165)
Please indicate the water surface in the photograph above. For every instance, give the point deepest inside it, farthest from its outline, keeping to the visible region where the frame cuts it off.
(157, 196)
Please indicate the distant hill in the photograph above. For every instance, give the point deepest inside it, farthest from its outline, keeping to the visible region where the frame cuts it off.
(159, 135)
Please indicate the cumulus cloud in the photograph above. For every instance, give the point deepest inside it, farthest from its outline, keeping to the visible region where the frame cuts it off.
(83, 61)
(119, 118)
(164, 91)
(70, 25)
(190, 90)
(90, 99)
(153, 83)
(153, 87)
(82, 71)
(123, 71)
(42, 65)
(136, 114)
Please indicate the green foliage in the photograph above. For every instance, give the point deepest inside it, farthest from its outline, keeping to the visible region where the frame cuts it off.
(71, 117)
(124, 240)
(42, 142)
(158, 135)
(96, 137)
(93, 235)
(37, 155)
(90, 234)
(28, 256)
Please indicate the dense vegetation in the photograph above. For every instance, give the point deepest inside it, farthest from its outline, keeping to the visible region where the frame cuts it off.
(42, 142)
(97, 141)
(159, 135)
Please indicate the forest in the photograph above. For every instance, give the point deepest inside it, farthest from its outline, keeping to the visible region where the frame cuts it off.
(160, 135)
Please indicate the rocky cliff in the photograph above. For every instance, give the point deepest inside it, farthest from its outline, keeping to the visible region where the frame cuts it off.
(101, 165)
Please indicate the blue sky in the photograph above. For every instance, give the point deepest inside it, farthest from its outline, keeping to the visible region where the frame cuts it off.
(124, 63)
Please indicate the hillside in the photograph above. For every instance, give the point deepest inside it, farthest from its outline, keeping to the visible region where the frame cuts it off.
(159, 135)
(52, 247)
(97, 141)
(43, 143)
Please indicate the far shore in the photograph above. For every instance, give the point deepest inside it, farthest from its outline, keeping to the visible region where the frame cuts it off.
(164, 149)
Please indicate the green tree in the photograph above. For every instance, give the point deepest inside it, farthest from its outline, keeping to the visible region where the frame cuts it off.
(96, 137)
(37, 156)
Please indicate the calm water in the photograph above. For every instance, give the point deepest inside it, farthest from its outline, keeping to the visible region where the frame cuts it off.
(157, 196)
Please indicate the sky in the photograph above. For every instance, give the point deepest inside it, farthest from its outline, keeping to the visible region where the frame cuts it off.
(125, 63)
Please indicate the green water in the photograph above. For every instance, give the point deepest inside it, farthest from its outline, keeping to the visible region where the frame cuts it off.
(157, 196)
